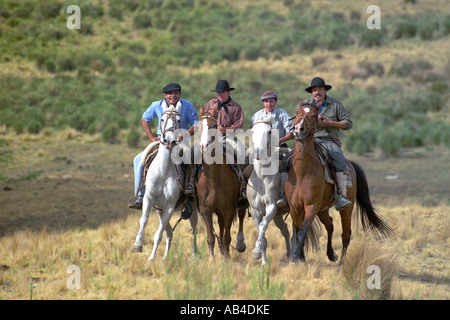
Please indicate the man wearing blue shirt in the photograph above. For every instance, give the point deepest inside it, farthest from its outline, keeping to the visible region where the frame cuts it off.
(188, 115)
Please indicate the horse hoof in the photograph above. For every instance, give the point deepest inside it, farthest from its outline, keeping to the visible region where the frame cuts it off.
(256, 255)
(136, 249)
(298, 260)
(333, 258)
(241, 247)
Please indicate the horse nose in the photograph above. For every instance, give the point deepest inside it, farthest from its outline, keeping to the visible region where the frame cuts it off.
(258, 151)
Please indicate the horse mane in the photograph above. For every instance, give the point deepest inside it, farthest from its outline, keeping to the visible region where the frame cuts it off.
(266, 118)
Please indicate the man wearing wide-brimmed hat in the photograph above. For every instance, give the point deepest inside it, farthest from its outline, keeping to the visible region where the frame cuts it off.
(332, 117)
(230, 116)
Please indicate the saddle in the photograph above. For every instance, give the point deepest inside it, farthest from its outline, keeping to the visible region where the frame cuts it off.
(148, 156)
(330, 171)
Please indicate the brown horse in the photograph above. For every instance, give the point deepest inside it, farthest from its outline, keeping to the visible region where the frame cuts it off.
(309, 194)
(217, 187)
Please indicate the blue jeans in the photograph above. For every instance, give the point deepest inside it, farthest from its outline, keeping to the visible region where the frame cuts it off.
(138, 173)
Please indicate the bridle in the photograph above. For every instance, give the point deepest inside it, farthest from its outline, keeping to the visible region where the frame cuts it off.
(208, 117)
(171, 115)
(310, 127)
(269, 140)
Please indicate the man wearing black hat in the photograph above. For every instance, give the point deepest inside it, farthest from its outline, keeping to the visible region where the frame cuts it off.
(188, 115)
(229, 117)
(332, 117)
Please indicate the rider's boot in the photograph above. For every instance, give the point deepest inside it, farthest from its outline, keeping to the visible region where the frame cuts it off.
(137, 204)
(248, 171)
(242, 202)
(341, 201)
(187, 211)
(282, 203)
(189, 192)
(189, 185)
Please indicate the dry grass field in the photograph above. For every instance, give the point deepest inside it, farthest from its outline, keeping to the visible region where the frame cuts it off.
(64, 194)
(65, 203)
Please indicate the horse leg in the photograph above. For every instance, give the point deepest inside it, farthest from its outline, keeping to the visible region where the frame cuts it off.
(328, 223)
(169, 236)
(226, 235)
(240, 240)
(279, 222)
(207, 218)
(221, 232)
(293, 239)
(346, 220)
(194, 225)
(261, 243)
(257, 218)
(299, 252)
(164, 218)
(146, 206)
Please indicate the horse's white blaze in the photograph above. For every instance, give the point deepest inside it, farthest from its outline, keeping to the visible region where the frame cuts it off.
(307, 110)
(204, 138)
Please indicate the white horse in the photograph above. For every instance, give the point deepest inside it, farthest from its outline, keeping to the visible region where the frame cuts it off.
(263, 189)
(162, 187)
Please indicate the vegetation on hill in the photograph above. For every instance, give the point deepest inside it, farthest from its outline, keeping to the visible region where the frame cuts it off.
(100, 79)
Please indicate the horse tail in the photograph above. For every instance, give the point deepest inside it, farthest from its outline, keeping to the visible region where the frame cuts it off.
(370, 220)
(312, 236)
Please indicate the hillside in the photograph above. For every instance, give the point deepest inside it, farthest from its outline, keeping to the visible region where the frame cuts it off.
(70, 108)
(99, 79)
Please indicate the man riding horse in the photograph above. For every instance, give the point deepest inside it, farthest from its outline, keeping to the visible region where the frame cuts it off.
(230, 117)
(283, 124)
(332, 117)
(188, 114)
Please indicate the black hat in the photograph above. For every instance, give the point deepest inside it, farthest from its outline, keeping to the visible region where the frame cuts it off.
(222, 85)
(318, 82)
(172, 87)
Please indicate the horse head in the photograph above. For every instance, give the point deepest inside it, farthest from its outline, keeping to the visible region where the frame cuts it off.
(305, 122)
(262, 136)
(170, 123)
(208, 121)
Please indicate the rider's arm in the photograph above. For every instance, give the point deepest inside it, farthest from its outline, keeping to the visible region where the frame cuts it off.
(148, 130)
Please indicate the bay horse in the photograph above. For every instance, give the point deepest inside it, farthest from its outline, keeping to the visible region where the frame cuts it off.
(309, 194)
(217, 188)
(263, 188)
(163, 187)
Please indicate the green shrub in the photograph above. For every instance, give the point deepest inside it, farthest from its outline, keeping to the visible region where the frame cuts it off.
(372, 38)
(133, 137)
(110, 133)
(388, 142)
(142, 21)
(405, 29)
(445, 28)
(403, 68)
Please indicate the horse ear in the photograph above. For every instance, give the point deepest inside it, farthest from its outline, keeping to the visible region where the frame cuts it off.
(300, 102)
(201, 110)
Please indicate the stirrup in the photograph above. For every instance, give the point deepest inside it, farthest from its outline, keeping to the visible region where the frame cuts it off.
(282, 203)
(189, 190)
(137, 204)
(342, 204)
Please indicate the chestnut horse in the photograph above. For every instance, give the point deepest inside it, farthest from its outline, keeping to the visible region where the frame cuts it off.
(309, 194)
(217, 187)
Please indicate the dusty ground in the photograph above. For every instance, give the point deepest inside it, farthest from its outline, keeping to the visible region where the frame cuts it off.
(70, 182)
